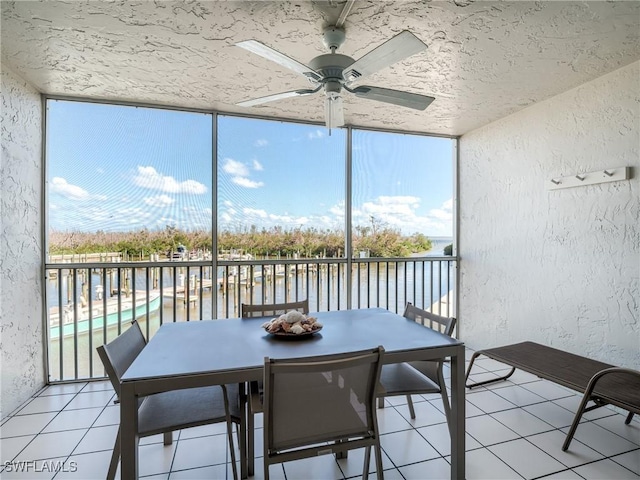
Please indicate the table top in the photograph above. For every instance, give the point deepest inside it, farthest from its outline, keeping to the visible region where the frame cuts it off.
(187, 348)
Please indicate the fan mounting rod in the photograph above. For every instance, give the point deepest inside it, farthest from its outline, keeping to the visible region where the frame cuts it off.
(333, 38)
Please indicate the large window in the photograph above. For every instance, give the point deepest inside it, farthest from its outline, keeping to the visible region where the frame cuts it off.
(131, 180)
(402, 194)
(138, 182)
(281, 189)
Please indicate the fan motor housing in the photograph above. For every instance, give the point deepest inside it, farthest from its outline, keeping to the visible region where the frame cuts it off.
(331, 65)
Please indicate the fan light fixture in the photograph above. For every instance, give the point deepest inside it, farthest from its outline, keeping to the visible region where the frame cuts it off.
(334, 72)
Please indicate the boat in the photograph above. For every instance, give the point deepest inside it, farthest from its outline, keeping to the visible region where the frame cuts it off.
(122, 312)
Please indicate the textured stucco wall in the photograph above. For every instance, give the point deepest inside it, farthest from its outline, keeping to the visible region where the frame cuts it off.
(557, 267)
(21, 347)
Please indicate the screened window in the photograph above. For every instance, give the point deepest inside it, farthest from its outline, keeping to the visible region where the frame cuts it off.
(402, 194)
(281, 189)
(128, 179)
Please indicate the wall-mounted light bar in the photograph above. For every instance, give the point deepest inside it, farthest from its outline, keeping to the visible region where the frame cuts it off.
(590, 178)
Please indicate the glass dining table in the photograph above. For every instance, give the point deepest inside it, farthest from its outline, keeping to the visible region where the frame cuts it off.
(213, 352)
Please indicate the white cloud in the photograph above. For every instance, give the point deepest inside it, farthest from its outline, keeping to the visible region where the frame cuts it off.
(72, 192)
(159, 201)
(392, 210)
(233, 167)
(337, 210)
(444, 213)
(261, 142)
(61, 187)
(401, 212)
(289, 220)
(240, 173)
(148, 177)
(246, 182)
(315, 134)
(254, 212)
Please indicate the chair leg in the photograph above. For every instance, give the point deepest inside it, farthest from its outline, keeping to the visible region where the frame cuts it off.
(445, 397)
(412, 412)
(367, 460)
(232, 449)
(265, 470)
(379, 472)
(629, 417)
(115, 458)
(168, 438)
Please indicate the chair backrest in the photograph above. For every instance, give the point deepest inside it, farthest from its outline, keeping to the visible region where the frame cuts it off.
(273, 309)
(435, 322)
(120, 353)
(320, 399)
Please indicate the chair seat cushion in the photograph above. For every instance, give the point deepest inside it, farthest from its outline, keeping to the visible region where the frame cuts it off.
(178, 409)
(402, 378)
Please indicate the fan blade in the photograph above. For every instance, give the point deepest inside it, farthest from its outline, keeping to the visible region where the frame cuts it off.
(277, 96)
(333, 114)
(279, 58)
(398, 48)
(396, 97)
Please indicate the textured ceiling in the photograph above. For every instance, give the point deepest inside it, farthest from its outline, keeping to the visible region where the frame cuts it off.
(485, 60)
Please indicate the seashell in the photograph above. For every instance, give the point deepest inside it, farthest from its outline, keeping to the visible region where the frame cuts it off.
(266, 324)
(297, 329)
(317, 325)
(294, 317)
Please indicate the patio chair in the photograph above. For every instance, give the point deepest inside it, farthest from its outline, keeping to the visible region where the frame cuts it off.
(272, 309)
(417, 377)
(174, 410)
(321, 405)
(255, 388)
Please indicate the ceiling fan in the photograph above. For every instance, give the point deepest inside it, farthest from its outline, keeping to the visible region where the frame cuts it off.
(334, 72)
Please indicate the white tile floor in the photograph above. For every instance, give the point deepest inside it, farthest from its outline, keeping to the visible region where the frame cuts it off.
(515, 430)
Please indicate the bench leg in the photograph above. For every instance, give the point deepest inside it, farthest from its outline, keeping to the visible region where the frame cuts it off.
(484, 382)
(576, 421)
(629, 417)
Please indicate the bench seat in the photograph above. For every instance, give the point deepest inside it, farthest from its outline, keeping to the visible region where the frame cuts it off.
(601, 383)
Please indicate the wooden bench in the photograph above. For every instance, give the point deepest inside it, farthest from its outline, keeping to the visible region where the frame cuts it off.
(601, 383)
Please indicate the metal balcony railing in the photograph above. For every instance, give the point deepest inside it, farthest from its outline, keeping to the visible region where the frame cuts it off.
(89, 304)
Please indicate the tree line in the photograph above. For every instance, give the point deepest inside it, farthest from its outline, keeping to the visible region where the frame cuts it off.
(377, 240)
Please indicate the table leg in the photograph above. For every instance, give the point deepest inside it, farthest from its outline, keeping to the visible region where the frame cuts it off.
(457, 415)
(128, 432)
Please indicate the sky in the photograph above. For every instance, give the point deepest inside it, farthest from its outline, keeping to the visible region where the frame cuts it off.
(121, 168)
